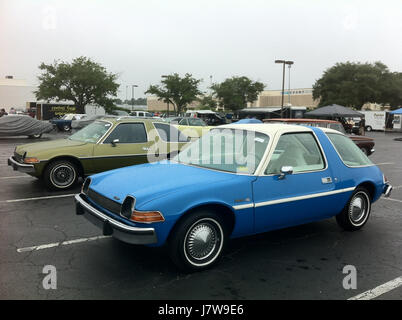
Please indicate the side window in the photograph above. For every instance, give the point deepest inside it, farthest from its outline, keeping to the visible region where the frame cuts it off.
(169, 133)
(350, 153)
(183, 122)
(128, 133)
(299, 150)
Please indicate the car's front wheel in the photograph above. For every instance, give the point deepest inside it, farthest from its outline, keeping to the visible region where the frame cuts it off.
(356, 212)
(60, 174)
(198, 241)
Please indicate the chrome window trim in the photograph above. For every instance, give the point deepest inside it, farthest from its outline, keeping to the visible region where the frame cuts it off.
(125, 143)
(301, 172)
(336, 150)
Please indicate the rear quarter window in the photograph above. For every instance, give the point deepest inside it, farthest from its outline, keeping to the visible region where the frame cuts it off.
(350, 154)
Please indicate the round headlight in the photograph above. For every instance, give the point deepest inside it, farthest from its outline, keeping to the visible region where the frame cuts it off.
(127, 207)
(86, 185)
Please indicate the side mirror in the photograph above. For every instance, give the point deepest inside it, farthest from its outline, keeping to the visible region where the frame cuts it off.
(114, 142)
(285, 170)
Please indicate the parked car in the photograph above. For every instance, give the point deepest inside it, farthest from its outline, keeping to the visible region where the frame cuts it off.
(364, 143)
(22, 125)
(210, 117)
(260, 178)
(103, 145)
(191, 127)
(64, 123)
(141, 114)
(78, 124)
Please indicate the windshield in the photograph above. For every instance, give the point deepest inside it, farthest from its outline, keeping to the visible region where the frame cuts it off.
(231, 150)
(91, 133)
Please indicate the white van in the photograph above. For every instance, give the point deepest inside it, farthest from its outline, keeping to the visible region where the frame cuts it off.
(374, 120)
(141, 114)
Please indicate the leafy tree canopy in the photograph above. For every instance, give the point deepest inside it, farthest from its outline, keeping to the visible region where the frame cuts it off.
(354, 84)
(82, 81)
(176, 90)
(207, 103)
(234, 93)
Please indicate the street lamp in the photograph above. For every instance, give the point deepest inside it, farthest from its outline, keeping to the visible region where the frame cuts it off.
(283, 80)
(132, 94)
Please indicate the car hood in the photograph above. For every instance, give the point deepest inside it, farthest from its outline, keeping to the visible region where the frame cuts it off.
(33, 149)
(148, 181)
(360, 138)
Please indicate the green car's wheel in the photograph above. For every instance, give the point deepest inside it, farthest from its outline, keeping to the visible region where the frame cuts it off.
(60, 174)
(196, 243)
(35, 136)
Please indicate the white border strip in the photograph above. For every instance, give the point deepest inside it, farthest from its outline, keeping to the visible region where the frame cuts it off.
(283, 200)
(57, 244)
(378, 291)
(309, 196)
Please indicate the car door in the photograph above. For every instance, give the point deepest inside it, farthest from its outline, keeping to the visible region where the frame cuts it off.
(282, 201)
(127, 144)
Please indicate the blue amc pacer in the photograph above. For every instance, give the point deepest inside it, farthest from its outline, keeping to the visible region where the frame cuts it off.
(235, 181)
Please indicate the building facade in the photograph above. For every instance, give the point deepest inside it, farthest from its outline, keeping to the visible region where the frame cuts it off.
(15, 93)
(302, 97)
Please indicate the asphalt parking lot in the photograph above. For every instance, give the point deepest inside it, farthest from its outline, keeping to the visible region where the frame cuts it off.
(39, 228)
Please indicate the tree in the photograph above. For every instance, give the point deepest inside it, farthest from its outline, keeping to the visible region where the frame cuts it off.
(82, 81)
(354, 84)
(208, 103)
(176, 90)
(234, 93)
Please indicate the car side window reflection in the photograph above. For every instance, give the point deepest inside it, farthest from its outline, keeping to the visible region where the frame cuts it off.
(128, 133)
(299, 150)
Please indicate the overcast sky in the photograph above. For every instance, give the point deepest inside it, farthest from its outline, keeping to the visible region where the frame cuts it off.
(143, 39)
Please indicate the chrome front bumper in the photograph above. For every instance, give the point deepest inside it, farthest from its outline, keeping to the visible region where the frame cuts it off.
(22, 167)
(113, 227)
(387, 190)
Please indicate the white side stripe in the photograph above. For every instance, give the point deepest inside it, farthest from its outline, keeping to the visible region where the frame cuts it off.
(283, 200)
(377, 291)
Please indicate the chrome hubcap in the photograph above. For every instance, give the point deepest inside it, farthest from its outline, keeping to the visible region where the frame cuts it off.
(201, 241)
(63, 175)
(358, 209)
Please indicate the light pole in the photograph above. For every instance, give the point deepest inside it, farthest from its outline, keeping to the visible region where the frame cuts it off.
(283, 80)
(132, 94)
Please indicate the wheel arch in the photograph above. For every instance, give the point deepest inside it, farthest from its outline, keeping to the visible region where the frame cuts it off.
(223, 210)
(370, 187)
(73, 159)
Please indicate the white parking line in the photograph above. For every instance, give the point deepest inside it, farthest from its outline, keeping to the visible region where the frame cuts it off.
(384, 163)
(390, 199)
(56, 244)
(38, 198)
(15, 177)
(384, 288)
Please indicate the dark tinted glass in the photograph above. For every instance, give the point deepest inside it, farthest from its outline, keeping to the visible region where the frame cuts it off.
(128, 133)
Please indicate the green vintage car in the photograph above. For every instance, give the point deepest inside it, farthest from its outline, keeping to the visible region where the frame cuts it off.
(105, 144)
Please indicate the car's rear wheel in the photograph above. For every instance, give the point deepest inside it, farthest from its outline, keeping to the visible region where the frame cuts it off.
(357, 211)
(66, 128)
(197, 242)
(364, 150)
(369, 128)
(35, 136)
(60, 174)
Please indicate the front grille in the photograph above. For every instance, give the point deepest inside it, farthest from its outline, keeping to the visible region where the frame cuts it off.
(104, 202)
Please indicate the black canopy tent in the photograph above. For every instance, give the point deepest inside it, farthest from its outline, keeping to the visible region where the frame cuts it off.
(334, 111)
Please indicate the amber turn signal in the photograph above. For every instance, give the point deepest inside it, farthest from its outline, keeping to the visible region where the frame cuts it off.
(31, 160)
(147, 216)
